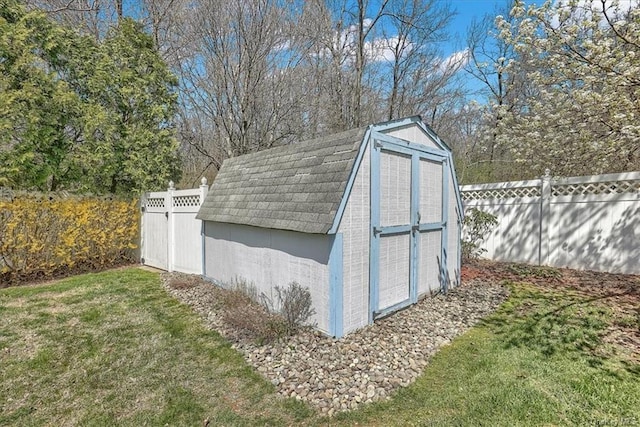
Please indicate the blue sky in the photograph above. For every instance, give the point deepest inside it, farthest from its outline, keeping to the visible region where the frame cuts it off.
(467, 10)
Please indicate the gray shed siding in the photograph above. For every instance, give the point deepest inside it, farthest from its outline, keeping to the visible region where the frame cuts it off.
(355, 229)
(269, 258)
(414, 134)
(453, 247)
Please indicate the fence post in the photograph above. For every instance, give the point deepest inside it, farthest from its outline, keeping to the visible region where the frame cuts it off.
(204, 189)
(170, 226)
(142, 203)
(545, 217)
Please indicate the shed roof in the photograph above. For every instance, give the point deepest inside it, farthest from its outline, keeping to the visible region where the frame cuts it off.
(295, 187)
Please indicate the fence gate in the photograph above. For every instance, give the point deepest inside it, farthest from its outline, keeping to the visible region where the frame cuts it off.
(171, 235)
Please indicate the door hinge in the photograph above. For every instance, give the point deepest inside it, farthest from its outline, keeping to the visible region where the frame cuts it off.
(142, 208)
(166, 215)
(142, 260)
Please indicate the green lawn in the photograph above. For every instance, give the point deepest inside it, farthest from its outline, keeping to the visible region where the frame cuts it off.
(114, 348)
(539, 360)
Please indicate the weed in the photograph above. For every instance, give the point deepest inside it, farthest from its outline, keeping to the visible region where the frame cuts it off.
(477, 226)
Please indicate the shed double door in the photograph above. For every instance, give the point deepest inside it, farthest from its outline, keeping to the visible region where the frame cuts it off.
(408, 211)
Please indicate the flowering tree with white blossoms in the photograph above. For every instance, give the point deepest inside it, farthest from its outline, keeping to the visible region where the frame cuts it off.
(582, 112)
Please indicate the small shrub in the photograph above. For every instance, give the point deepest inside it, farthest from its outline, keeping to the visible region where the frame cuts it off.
(263, 319)
(240, 284)
(295, 305)
(477, 226)
(251, 320)
(247, 316)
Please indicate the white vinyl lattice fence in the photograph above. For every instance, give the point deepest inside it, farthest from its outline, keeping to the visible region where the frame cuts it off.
(171, 235)
(580, 222)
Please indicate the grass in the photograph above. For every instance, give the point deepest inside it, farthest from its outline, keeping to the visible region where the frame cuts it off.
(114, 348)
(540, 360)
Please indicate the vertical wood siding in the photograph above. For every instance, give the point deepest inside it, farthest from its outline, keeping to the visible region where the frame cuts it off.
(355, 227)
(395, 189)
(414, 134)
(428, 265)
(394, 269)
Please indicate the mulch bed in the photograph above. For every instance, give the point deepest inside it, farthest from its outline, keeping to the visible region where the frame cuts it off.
(619, 292)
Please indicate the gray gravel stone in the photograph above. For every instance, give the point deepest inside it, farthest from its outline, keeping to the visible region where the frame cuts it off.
(366, 365)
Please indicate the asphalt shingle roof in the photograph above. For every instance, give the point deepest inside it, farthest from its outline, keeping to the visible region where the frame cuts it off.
(294, 187)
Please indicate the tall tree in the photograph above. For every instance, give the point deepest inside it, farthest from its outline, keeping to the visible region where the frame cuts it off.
(501, 87)
(81, 115)
(133, 146)
(259, 73)
(40, 113)
(583, 60)
(239, 77)
(418, 74)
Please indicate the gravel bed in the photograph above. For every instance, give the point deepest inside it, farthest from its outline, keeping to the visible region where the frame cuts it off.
(365, 366)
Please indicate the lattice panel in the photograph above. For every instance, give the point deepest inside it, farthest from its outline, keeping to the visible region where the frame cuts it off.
(611, 187)
(501, 193)
(155, 202)
(186, 201)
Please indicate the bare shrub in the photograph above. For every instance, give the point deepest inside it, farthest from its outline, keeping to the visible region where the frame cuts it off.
(247, 316)
(262, 319)
(293, 303)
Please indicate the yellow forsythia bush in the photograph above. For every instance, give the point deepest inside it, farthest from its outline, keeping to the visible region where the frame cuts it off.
(46, 236)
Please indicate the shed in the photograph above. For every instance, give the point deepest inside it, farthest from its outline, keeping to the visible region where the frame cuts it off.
(368, 220)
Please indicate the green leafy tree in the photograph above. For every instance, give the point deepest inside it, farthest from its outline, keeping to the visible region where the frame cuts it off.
(79, 115)
(130, 137)
(38, 109)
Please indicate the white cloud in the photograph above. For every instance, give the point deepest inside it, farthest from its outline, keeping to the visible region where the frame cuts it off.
(283, 46)
(377, 50)
(584, 9)
(455, 61)
(384, 49)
